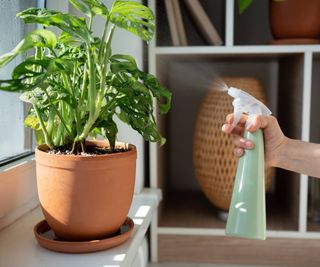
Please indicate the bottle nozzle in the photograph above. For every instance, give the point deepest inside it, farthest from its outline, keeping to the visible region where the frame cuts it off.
(246, 103)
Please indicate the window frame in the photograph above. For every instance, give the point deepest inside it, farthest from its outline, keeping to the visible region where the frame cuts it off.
(18, 189)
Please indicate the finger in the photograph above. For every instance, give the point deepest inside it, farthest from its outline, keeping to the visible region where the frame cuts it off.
(230, 118)
(228, 128)
(258, 122)
(238, 152)
(241, 142)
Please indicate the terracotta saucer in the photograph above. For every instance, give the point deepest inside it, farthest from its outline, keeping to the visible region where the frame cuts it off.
(47, 239)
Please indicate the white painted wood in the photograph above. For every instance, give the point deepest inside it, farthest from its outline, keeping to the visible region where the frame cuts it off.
(306, 107)
(18, 190)
(153, 148)
(245, 49)
(221, 232)
(18, 247)
(154, 238)
(229, 20)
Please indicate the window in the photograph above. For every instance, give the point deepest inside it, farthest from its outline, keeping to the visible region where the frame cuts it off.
(15, 139)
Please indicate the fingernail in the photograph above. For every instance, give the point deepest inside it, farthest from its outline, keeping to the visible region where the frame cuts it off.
(239, 152)
(249, 144)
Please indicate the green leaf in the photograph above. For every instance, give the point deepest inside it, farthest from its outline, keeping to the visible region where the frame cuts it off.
(162, 94)
(36, 38)
(109, 130)
(133, 17)
(58, 92)
(32, 122)
(22, 84)
(27, 68)
(141, 123)
(91, 7)
(123, 63)
(127, 64)
(75, 26)
(243, 5)
(35, 97)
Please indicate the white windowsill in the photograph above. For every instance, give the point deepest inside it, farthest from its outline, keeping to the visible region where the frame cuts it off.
(19, 248)
(18, 190)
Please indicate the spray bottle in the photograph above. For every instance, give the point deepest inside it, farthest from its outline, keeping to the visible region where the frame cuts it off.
(247, 212)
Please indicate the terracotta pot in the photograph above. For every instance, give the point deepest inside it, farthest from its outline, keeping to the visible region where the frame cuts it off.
(294, 19)
(85, 197)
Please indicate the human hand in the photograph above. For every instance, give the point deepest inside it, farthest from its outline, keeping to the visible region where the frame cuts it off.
(274, 139)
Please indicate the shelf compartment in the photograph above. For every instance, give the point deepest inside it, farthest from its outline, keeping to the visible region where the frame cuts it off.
(252, 27)
(190, 209)
(188, 77)
(215, 11)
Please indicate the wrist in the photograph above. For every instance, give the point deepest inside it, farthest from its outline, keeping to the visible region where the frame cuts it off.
(280, 152)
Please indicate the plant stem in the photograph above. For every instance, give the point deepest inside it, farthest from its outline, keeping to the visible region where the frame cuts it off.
(59, 115)
(43, 128)
(95, 104)
(90, 22)
(92, 83)
(102, 44)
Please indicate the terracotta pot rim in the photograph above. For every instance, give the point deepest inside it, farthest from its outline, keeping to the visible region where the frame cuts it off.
(40, 150)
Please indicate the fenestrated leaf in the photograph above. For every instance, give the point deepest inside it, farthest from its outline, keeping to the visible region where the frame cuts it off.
(36, 38)
(162, 95)
(75, 26)
(58, 92)
(126, 64)
(34, 97)
(26, 68)
(91, 7)
(133, 17)
(123, 63)
(109, 129)
(21, 85)
(141, 123)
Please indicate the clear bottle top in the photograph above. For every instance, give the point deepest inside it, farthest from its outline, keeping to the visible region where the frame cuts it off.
(246, 103)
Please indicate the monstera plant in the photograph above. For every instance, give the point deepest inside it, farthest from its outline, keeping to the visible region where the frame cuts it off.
(74, 83)
(76, 87)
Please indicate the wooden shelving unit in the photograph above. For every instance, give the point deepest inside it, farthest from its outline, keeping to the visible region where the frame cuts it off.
(290, 77)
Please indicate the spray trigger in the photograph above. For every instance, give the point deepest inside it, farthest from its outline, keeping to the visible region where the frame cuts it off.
(246, 103)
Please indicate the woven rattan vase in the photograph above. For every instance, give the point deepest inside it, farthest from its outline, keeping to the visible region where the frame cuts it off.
(214, 161)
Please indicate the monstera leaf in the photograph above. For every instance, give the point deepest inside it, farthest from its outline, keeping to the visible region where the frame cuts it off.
(91, 7)
(36, 38)
(75, 26)
(133, 17)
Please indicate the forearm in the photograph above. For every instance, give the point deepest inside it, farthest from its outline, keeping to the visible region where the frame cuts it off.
(299, 156)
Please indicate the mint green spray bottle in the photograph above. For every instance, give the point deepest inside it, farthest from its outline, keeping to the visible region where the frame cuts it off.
(247, 212)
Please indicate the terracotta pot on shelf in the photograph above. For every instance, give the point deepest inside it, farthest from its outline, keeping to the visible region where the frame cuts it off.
(85, 197)
(295, 21)
(214, 162)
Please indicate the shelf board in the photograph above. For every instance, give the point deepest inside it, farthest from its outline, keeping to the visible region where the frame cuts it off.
(193, 210)
(227, 251)
(248, 49)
